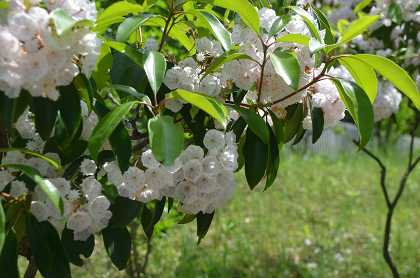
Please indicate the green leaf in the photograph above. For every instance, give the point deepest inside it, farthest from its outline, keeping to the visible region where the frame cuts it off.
(2, 227)
(122, 147)
(124, 211)
(155, 68)
(70, 109)
(118, 245)
(12, 109)
(130, 25)
(45, 111)
(361, 5)
(115, 13)
(324, 25)
(355, 28)
(132, 53)
(47, 249)
(363, 74)
(255, 123)
(210, 105)
(293, 122)
(245, 9)
(279, 24)
(225, 58)
(75, 248)
(273, 161)
(52, 162)
(294, 38)
(63, 22)
(106, 127)
(47, 187)
(317, 123)
(166, 139)
(256, 156)
(278, 128)
(203, 224)
(219, 31)
(188, 218)
(309, 21)
(359, 107)
(128, 90)
(395, 74)
(9, 256)
(287, 66)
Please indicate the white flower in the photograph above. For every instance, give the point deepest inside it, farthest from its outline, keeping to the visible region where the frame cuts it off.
(62, 185)
(214, 139)
(192, 170)
(17, 189)
(39, 210)
(175, 105)
(387, 102)
(134, 177)
(91, 188)
(149, 160)
(88, 167)
(99, 206)
(79, 221)
(5, 178)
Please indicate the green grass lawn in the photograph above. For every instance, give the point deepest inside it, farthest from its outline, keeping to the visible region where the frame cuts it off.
(322, 218)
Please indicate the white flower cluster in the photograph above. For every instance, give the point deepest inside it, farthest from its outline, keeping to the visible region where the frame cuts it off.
(86, 211)
(201, 182)
(246, 74)
(326, 96)
(387, 102)
(409, 9)
(189, 74)
(34, 57)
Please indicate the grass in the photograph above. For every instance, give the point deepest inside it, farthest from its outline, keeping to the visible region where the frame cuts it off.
(322, 218)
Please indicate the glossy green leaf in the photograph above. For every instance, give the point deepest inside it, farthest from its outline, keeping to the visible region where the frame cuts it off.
(106, 127)
(124, 211)
(47, 249)
(273, 161)
(52, 162)
(155, 68)
(203, 224)
(309, 21)
(219, 31)
(278, 128)
(279, 24)
(74, 249)
(12, 109)
(46, 186)
(118, 245)
(45, 111)
(115, 14)
(2, 227)
(122, 146)
(361, 5)
(287, 67)
(63, 22)
(294, 38)
(317, 116)
(355, 28)
(70, 109)
(129, 26)
(188, 218)
(255, 123)
(9, 256)
(256, 156)
(210, 105)
(395, 74)
(363, 74)
(324, 25)
(359, 107)
(166, 139)
(245, 9)
(293, 121)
